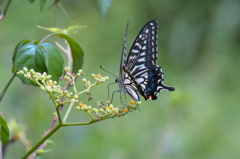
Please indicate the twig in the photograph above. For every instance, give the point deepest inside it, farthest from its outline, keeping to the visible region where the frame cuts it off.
(5, 10)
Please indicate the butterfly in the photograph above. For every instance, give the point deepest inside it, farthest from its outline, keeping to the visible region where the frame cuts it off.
(139, 72)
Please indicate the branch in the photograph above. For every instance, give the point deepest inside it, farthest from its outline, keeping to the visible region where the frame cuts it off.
(42, 141)
(5, 11)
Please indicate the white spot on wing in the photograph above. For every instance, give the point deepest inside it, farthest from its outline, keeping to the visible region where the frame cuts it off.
(139, 80)
(135, 51)
(141, 59)
(132, 93)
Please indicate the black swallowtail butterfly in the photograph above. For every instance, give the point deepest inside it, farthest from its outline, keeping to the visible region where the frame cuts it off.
(139, 73)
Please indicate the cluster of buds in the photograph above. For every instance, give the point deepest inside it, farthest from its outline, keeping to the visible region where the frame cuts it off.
(103, 110)
(55, 90)
(108, 111)
(43, 80)
(99, 79)
(69, 77)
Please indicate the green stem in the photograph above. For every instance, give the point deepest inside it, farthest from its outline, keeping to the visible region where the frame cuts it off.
(57, 109)
(54, 101)
(59, 116)
(42, 141)
(78, 124)
(89, 113)
(67, 113)
(52, 34)
(88, 88)
(8, 84)
(74, 86)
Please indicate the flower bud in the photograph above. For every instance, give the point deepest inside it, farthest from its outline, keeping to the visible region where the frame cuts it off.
(66, 69)
(95, 110)
(25, 69)
(138, 103)
(75, 97)
(99, 75)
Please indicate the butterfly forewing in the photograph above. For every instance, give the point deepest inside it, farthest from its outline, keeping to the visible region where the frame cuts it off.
(143, 53)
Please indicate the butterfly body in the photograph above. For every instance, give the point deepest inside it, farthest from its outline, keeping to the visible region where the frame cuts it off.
(139, 73)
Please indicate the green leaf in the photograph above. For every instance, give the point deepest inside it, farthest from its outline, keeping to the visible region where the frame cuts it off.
(4, 131)
(77, 53)
(17, 47)
(52, 29)
(44, 57)
(76, 50)
(43, 151)
(71, 30)
(104, 5)
(54, 60)
(31, 57)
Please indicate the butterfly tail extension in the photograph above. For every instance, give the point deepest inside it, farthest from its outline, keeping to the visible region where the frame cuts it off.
(155, 84)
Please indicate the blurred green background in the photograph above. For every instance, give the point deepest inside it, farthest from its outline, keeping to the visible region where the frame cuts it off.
(199, 50)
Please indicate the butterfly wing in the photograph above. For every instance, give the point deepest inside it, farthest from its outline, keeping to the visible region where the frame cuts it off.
(142, 62)
(140, 72)
(125, 82)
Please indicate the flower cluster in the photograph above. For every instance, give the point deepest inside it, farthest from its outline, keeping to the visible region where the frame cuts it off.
(107, 110)
(56, 91)
(102, 111)
(43, 80)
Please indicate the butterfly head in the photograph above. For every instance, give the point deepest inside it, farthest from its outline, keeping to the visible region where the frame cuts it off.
(117, 80)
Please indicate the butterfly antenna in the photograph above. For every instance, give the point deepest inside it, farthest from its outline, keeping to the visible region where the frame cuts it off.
(107, 71)
(124, 49)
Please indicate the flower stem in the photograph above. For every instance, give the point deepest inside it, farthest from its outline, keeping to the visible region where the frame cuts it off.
(78, 124)
(42, 141)
(67, 113)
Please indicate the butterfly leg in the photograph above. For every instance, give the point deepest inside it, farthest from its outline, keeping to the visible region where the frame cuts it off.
(109, 88)
(125, 98)
(113, 95)
(121, 96)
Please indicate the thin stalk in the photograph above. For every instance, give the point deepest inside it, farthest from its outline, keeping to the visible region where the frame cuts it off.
(67, 113)
(59, 115)
(89, 113)
(78, 124)
(42, 141)
(8, 84)
(46, 37)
